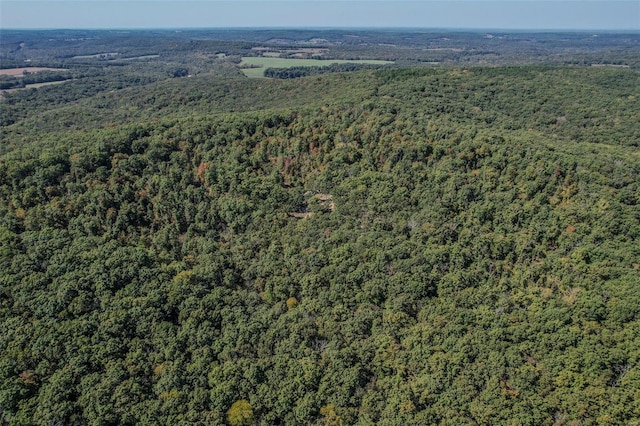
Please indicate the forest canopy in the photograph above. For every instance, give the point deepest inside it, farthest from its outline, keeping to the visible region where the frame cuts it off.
(399, 246)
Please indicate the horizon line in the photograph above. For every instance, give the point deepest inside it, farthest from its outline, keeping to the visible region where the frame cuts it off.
(324, 28)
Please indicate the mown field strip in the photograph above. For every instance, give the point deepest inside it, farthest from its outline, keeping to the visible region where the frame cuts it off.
(262, 63)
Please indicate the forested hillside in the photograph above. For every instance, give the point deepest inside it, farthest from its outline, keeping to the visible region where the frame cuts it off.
(420, 246)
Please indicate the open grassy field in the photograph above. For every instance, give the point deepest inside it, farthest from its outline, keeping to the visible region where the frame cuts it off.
(97, 55)
(17, 72)
(262, 63)
(133, 58)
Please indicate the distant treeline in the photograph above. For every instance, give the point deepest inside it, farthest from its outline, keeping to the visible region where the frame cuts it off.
(297, 72)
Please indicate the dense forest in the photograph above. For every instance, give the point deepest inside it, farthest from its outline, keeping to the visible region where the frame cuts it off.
(454, 245)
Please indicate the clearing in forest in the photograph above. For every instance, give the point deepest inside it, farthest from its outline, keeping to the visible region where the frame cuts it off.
(254, 67)
(18, 72)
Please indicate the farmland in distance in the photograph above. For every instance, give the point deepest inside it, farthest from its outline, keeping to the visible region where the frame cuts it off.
(254, 67)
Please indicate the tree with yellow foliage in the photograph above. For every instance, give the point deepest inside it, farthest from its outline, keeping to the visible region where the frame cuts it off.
(240, 413)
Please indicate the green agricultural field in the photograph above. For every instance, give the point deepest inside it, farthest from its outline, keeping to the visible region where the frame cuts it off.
(264, 63)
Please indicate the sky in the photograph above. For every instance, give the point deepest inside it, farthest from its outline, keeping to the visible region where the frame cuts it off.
(440, 14)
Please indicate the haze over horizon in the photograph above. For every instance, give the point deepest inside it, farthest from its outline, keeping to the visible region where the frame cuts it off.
(468, 14)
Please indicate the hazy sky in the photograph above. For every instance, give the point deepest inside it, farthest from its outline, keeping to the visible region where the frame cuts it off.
(481, 14)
